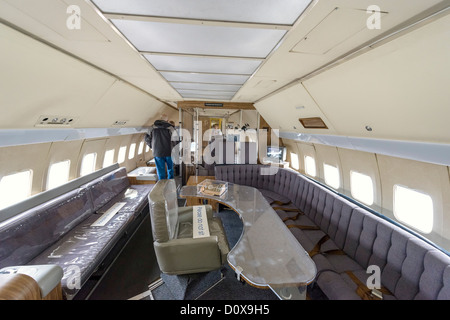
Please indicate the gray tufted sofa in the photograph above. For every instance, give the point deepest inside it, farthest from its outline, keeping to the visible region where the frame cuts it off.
(346, 241)
(57, 227)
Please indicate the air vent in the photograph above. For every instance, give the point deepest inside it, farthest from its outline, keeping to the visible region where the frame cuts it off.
(120, 123)
(313, 123)
(55, 121)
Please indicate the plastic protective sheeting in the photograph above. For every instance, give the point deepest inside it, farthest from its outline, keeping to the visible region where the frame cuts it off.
(26, 235)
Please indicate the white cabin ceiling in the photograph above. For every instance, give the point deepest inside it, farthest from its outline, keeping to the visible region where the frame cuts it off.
(202, 42)
(239, 51)
(258, 40)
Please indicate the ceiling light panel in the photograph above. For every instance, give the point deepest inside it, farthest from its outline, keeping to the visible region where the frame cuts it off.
(204, 78)
(203, 64)
(205, 86)
(207, 97)
(159, 37)
(283, 12)
(206, 49)
(206, 92)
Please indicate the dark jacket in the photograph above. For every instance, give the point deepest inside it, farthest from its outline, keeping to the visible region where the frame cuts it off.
(159, 137)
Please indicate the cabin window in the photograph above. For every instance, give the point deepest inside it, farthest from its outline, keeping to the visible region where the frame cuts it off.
(294, 161)
(88, 163)
(413, 208)
(58, 174)
(108, 159)
(331, 174)
(310, 166)
(15, 188)
(361, 187)
(141, 147)
(132, 151)
(122, 153)
(147, 148)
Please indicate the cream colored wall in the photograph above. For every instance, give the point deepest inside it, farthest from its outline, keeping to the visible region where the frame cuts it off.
(364, 163)
(400, 89)
(385, 172)
(423, 177)
(39, 157)
(39, 80)
(91, 146)
(60, 151)
(20, 158)
(329, 155)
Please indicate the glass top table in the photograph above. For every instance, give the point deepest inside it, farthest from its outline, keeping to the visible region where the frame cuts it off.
(267, 254)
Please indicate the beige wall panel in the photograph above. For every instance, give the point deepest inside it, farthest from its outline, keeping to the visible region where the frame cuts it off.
(138, 159)
(129, 164)
(283, 109)
(61, 151)
(20, 158)
(59, 85)
(328, 155)
(44, 81)
(122, 102)
(91, 146)
(364, 163)
(291, 147)
(113, 143)
(304, 150)
(149, 154)
(424, 177)
(400, 89)
(171, 113)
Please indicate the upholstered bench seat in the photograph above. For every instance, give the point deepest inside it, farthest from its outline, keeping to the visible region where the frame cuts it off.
(81, 251)
(60, 230)
(347, 241)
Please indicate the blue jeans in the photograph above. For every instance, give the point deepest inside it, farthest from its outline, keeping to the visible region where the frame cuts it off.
(161, 167)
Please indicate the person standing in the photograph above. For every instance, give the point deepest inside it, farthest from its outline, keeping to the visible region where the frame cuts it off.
(159, 140)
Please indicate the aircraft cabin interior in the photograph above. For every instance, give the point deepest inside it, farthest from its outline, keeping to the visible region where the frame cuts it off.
(306, 150)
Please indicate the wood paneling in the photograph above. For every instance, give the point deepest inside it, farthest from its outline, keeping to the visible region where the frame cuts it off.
(23, 287)
(18, 287)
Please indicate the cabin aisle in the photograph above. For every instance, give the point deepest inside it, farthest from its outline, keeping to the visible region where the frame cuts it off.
(136, 268)
(133, 270)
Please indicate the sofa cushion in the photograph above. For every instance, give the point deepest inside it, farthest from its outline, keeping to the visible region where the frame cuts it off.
(135, 198)
(410, 267)
(81, 250)
(26, 235)
(108, 186)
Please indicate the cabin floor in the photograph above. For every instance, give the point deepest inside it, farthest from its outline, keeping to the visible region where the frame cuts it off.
(135, 274)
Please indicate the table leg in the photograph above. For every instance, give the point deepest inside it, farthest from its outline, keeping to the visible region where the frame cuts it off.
(290, 293)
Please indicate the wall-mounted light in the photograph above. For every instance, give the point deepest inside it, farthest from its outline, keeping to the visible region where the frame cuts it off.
(369, 128)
